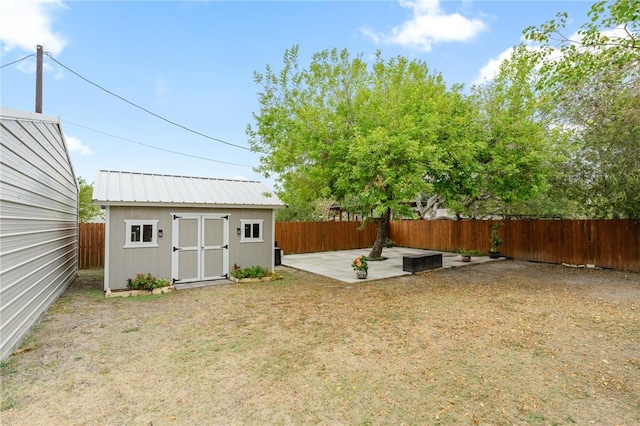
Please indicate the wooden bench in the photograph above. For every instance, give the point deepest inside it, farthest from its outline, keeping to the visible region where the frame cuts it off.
(421, 262)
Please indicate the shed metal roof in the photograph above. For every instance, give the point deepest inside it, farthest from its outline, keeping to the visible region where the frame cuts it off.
(113, 188)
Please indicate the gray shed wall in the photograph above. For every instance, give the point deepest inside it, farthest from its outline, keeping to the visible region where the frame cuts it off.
(38, 222)
(123, 263)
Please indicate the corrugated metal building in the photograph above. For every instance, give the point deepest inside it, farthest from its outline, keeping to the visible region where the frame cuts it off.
(183, 228)
(38, 221)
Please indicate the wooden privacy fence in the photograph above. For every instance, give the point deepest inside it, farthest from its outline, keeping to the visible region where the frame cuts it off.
(309, 237)
(604, 243)
(91, 245)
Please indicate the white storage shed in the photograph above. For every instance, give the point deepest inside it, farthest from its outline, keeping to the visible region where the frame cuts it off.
(183, 228)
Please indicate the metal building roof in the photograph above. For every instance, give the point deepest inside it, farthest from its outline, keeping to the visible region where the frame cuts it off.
(113, 188)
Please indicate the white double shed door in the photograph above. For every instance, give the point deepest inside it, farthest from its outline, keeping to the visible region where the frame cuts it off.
(200, 247)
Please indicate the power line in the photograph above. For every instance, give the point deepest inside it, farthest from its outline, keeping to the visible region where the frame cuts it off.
(19, 60)
(144, 109)
(155, 147)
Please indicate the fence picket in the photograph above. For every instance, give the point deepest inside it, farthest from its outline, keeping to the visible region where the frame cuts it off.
(91, 245)
(604, 243)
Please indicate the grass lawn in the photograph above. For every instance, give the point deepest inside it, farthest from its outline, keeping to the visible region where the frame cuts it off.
(496, 344)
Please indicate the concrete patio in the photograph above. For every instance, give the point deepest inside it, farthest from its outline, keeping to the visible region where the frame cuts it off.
(337, 264)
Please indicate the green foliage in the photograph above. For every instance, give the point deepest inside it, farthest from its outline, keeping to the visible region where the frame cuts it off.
(495, 239)
(472, 252)
(359, 134)
(86, 209)
(250, 272)
(360, 264)
(146, 282)
(593, 83)
(516, 151)
(389, 243)
(316, 210)
(297, 213)
(7, 366)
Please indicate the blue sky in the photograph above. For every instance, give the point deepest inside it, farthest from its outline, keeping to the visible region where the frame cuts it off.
(192, 62)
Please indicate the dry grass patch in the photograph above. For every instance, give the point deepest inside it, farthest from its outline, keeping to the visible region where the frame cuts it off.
(500, 343)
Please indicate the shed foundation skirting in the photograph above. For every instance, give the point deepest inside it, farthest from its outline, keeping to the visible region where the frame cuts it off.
(129, 293)
(253, 280)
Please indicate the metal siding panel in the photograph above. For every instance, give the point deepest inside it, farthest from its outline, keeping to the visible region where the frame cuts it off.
(10, 226)
(45, 201)
(22, 150)
(126, 187)
(199, 189)
(113, 187)
(38, 222)
(150, 189)
(17, 243)
(33, 302)
(32, 184)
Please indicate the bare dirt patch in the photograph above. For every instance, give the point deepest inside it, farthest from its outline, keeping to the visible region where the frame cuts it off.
(501, 343)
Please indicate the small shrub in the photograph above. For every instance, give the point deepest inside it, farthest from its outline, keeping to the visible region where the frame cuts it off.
(389, 243)
(146, 282)
(495, 239)
(473, 252)
(360, 264)
(250, 272)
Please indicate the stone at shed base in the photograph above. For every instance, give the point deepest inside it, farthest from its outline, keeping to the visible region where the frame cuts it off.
(252, 280)
(130, 293)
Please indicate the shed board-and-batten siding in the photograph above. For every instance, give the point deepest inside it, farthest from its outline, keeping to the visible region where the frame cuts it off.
(123, 263)
(38, 221)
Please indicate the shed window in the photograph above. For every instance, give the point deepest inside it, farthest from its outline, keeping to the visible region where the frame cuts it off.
(251, 231)
(141, 233)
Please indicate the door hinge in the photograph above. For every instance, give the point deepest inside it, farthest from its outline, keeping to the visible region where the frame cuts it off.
(175, 216)
(226, 217)
(226, 246)
(174, 280)
(176, 248)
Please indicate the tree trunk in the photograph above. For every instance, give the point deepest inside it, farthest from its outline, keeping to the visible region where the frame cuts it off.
(383, 234)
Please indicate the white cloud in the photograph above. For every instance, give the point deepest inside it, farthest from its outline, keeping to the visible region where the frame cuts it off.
(29, 66)
(75, 144)
(429, 25)
(615, 33)
(27, 23)
(371, 34)
(491, 68)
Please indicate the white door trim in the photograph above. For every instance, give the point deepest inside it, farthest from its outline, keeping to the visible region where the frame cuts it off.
(224, 246)
(200, 247)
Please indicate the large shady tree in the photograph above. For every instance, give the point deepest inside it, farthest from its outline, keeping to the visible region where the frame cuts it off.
(593, 78)
(369, 136)
(520, 149)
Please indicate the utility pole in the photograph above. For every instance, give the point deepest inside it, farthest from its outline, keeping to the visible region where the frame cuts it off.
(39, 80)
